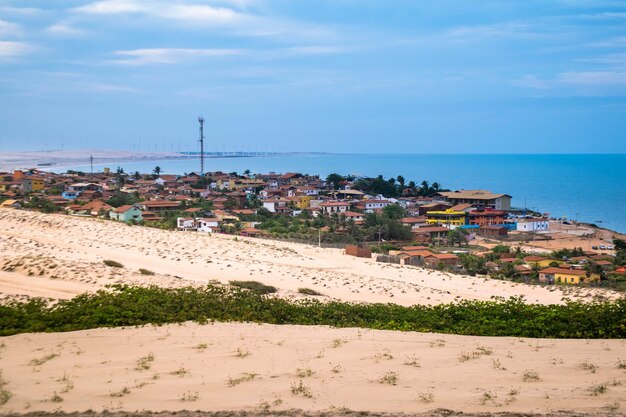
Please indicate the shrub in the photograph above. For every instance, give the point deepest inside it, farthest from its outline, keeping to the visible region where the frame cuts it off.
(255, 286)
(112, 264)
(145, 271)
(309, 291)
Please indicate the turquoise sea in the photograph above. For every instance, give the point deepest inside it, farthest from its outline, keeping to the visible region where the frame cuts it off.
(590, 188)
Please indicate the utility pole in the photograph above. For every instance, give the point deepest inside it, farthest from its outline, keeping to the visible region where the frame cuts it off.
(201, 120)
(91, 163)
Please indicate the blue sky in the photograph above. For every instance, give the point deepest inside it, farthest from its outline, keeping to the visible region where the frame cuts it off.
(389, 76)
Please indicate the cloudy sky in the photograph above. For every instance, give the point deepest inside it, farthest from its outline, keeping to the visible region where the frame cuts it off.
(389, 76)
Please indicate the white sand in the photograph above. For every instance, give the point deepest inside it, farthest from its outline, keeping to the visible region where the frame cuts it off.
(97, 369)
(60, 256)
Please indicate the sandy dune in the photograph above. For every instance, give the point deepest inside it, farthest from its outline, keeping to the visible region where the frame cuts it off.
(60, 256)
(228, 366)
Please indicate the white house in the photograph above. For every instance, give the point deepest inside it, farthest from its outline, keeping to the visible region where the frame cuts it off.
(334, 207)
(207, 224)
(533, 225)
(186, 223)
(373, 204)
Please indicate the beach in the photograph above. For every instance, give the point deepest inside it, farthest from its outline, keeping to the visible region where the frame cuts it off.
(261, 368)
(59, 256)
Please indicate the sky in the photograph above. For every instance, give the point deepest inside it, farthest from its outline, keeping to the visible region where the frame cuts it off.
(353, 76)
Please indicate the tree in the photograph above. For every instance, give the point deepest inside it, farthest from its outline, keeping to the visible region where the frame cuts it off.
(157, 170)
(394, 211)
(400, 180)
(334, 180)
(457, 236)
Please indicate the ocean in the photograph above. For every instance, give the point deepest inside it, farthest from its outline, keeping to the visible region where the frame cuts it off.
(589, 188)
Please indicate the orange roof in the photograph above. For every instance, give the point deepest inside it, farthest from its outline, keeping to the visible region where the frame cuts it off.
(123, 209)
(563, 271)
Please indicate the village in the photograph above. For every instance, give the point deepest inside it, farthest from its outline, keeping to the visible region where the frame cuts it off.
(475, 232)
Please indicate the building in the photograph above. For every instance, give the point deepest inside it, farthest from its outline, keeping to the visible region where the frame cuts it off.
(479, 198)
(533, 225)
(126, 214)
(566, 276)
(447, 217)
(373, 204)
(32, 184)
(486, 217)
(330, 207)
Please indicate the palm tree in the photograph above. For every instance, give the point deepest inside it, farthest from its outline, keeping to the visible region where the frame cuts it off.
(157, 170)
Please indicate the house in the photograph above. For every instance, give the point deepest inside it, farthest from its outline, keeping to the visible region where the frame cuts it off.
(370, 205)
(32, 184)
(426, 234)
(186, 223)
(540, 261)
(480, 198)
(566, 276)
(126, 214)
(492, 231)
(533, 225)
(207, 225)
(358, 218)
(437, 259)
(447, 217)
(414, 222)
(425, 208)
(96, 207)
(486, 217)
(11, 204)
(163, 180)
(330, 207)
(159, 205)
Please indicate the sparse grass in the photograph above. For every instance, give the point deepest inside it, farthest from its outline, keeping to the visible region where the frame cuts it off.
(530, 376)
(597, 389)
(301, 389)
(145, 363)
(245, 377)
(304, 372)
(612, 407)
(113, 264)
(588, 366)
(181, 371)
(309, 291)
(5, 395)
(426, 397)
(477, 353)
(488, 396)
(190, 396)
(69, 385)
(254, 286)
(242, 353)
(337, 369)
(338, 342)
(437, 343)
(120, 393)
(143, 271)
(621, 364)
(496, 364)
(42, 360)
(412, 360)
(56, 398)
(390, 378)
(201, 346)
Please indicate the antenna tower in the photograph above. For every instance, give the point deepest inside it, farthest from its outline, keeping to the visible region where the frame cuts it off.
(91, 163)
(201, 120)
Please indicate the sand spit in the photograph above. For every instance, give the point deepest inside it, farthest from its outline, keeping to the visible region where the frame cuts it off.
(61, 256)
(251, 367)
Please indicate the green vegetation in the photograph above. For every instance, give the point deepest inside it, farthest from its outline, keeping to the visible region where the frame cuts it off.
(309, 291)
(143, 271)
(112, 264)
(255, 286)
(130, 306)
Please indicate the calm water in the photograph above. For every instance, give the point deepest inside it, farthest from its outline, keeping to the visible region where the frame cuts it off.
(589, 188)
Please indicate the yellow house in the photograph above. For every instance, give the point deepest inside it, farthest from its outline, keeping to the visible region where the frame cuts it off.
(32, 184)
(567, 276)
(303, 201)
(446, 217)
(541, 261)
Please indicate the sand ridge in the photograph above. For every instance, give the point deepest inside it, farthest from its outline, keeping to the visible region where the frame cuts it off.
(239, 366)
(31, 243)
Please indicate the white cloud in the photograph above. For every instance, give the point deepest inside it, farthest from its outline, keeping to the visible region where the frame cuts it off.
(62, 29)
(21, 11)
(168, 55)
(594, 78)
(182, 12)
(10, 49)
(10, 29)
